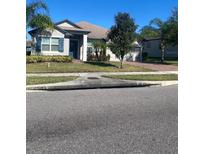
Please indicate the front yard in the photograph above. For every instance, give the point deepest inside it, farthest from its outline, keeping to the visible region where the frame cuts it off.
(43, 80)
(53, 67)
(147, 77)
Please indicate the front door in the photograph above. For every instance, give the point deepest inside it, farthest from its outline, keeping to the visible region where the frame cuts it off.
(74, 48)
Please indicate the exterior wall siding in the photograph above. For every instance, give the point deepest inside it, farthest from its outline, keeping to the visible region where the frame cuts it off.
(152, 47)
(65, 24)
(55, 34)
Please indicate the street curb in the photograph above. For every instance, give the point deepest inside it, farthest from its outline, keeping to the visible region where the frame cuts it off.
(127, 84)
(90, 86)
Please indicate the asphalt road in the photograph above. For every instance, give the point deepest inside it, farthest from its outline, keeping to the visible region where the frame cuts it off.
(127, 120)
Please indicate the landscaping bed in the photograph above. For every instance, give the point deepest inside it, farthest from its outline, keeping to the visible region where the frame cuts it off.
(38, 59)
(53, 67)
(43, 80)
(146, 77)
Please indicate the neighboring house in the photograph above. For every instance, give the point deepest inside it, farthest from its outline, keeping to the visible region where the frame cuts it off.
(152, 48)
(134, 55)
(74, 39)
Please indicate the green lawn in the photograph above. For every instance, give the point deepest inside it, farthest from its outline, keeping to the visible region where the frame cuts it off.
(147, 77)
(82, 67)
(43, 80)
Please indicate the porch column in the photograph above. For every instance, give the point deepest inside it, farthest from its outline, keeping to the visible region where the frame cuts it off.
(84, 48)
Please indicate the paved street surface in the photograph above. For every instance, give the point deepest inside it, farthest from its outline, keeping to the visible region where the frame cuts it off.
(127, 120)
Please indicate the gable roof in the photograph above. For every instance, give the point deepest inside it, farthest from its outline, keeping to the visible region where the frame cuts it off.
(74, 29)
(69, 22)
(96, 32)
(32, 32)
(83, 27)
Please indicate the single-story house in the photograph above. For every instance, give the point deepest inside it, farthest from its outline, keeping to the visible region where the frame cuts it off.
(152, 48)
(74, 39)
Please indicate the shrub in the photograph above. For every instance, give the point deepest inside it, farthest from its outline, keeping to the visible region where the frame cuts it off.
(37, 59)
(92, 57)
(144, 56)
(28, 53)
(104, 57)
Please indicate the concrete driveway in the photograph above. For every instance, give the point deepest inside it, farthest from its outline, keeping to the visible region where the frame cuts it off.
(156, 67)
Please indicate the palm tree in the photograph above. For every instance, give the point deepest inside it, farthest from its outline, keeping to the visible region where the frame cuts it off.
(156, 29)
(160, 30)
(37, 16)
(100, 49)
(167, 31)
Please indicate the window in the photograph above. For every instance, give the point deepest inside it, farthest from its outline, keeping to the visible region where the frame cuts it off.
(45, 42)
(54, 44)
(50, 44)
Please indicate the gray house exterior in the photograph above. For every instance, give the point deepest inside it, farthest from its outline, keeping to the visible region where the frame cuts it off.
(152, 48)
(67, 38)
(75, 40)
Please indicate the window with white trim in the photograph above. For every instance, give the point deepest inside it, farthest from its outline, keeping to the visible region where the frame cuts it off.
(45, 44)
(50, 44)
(54, 44)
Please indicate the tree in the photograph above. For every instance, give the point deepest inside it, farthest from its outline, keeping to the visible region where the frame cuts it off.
(99, 49)
(172, 28)
(37, 16)
(166, 31)
(122, 35)
(160, 29)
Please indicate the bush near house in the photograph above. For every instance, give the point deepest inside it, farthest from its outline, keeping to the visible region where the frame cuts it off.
(38, 59)
(92, 57)
(144, 56)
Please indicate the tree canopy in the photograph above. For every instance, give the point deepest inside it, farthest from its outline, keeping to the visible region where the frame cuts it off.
(166, 31)
(37, 15)
(100, 49)
(122, 35)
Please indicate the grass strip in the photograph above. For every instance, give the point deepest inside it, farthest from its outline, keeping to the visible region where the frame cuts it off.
(145, 77)
(43, 80)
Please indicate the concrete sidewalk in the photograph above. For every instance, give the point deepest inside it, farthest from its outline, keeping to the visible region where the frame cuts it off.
(98, 74)
(92, 81)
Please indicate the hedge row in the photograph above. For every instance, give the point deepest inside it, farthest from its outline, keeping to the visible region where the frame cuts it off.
(37, 59)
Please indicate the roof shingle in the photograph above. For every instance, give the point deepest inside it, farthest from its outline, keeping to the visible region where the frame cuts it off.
(96, 32)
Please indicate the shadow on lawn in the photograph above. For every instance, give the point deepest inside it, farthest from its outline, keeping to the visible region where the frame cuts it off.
(167, 61)
(102, 64)
(160, 63)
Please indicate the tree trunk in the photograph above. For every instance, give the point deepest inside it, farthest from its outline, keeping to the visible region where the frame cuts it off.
(162, 52)
(121, 60)
(96, 53)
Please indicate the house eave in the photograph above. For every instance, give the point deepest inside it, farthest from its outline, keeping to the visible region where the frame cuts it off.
(34, 31)
(69, 22)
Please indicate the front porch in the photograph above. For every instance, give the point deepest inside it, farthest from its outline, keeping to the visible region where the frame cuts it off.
(77, 47)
